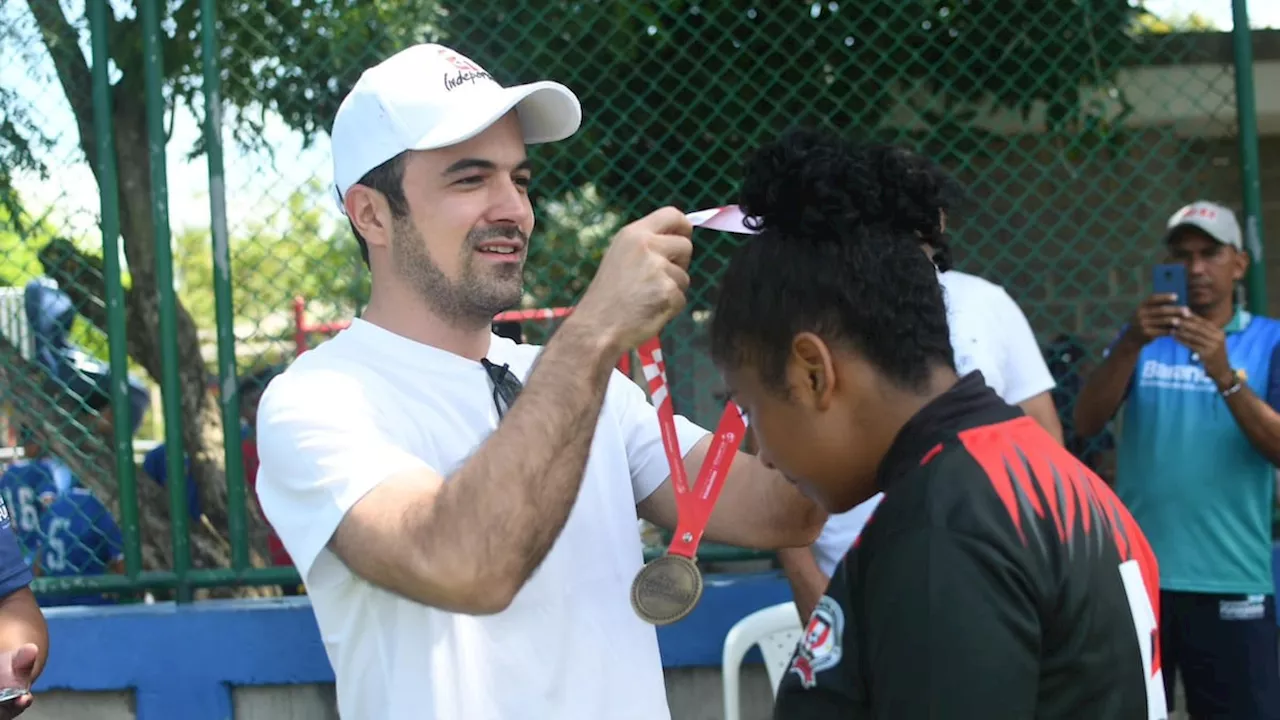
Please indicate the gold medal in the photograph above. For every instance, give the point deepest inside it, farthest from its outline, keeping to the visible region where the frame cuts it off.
(666, 590)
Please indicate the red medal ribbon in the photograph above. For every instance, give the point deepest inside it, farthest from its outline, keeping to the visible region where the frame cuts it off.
(693, 504)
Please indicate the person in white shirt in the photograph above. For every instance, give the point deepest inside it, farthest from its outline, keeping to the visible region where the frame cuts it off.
(463, 509)
(988, 333)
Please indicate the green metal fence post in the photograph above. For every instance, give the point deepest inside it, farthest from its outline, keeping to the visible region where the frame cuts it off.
(225, 312)
(169, 381)
(1250, 174)
(114, 289)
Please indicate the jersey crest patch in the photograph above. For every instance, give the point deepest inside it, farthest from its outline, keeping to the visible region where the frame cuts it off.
(820, 648)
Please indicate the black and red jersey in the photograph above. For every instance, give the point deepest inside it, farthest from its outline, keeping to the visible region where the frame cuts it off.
(999, 578)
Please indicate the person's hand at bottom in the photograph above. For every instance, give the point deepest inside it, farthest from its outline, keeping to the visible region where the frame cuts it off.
(15, 671)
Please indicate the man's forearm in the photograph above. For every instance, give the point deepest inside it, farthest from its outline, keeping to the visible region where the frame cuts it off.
(503, 509)
(1040, 408)
(1104, 390)
(1259, 422)
(808, 583)
(757, 508)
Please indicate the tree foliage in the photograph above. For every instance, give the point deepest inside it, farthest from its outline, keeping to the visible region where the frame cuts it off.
(293, 59)
(674, 92)
(19, 241)
(569, 242)
(289, 59)
(1193, 22)
(296, 251)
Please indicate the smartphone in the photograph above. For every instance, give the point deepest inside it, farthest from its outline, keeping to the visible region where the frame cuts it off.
(1171, 278)
(12, 693)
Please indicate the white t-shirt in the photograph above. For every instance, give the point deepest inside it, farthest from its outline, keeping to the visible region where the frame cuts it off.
(988, 333)
(368, 404)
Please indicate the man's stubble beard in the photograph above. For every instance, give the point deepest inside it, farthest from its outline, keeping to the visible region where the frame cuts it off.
(470, 302)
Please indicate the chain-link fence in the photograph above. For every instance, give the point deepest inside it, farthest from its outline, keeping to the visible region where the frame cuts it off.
(1076, 133)
(1077, 128)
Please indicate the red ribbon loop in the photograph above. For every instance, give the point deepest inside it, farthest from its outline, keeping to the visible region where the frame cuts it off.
(693, 504)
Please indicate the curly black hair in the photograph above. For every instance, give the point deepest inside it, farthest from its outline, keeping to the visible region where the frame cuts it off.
(833, 256)
(914, 192)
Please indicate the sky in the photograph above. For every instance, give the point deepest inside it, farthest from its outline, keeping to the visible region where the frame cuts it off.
(1262, 13)
(257, 185)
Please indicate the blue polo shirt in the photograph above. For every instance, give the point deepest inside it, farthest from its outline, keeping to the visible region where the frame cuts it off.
(1200, 491)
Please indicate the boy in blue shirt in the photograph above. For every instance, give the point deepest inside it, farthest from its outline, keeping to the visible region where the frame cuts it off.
(81, 538)
(1199, 443)
(29, 486)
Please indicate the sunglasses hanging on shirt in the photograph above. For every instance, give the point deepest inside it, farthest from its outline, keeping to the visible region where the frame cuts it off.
(506, 386)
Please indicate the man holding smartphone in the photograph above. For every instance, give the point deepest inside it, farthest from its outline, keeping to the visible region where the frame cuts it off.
(1199, 442)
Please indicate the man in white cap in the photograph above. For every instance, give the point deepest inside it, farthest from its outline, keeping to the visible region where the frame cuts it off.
(1199, 442)
(468, 554)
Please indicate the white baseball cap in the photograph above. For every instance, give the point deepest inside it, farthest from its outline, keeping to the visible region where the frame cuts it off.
(429, 96)
(1214, 220)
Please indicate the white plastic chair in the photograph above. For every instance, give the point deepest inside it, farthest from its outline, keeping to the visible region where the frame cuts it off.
(776, 629)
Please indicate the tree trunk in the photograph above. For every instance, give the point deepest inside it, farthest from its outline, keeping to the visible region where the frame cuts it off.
(201, 420)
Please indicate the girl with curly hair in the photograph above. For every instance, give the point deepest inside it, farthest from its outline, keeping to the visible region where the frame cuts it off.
(999, 577)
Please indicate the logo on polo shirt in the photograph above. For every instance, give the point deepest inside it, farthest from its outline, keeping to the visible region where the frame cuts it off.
(1175, 377)
(1253, 607)
(819, 649)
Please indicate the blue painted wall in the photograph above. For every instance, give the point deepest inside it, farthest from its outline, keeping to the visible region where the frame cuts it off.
(183, 660)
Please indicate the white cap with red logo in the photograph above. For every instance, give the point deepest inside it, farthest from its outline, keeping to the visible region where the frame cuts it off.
(429, 96)
(1214, 220)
